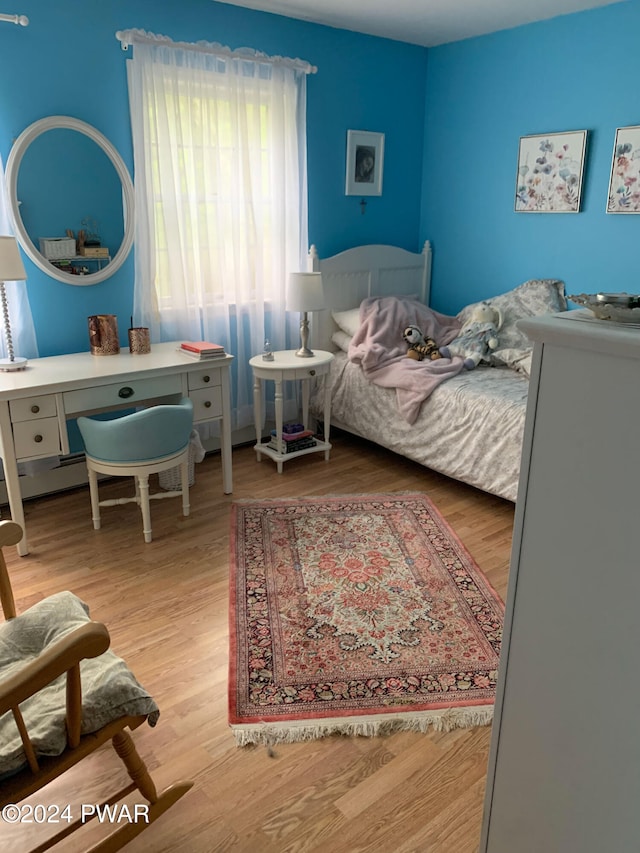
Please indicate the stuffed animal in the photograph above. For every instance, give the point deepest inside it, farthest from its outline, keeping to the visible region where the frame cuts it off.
(419, 346)
(478, 337)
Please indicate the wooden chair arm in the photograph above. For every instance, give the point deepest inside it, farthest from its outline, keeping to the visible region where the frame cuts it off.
(86, 641)
(10, 534)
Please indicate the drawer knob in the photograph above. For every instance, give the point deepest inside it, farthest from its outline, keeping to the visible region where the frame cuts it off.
(312, 373)
(35, 409)
(125, 392)
(207, 404)
(206, 378)
(37, 439)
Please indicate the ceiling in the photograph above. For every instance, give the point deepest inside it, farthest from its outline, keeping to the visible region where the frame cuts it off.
(423, 22)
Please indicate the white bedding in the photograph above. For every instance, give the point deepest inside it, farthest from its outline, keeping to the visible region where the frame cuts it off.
(446, 435)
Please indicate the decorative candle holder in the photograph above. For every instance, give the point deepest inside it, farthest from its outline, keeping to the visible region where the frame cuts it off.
(139, 340)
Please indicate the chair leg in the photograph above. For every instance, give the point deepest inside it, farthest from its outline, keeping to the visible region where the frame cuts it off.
(95, 500)
(143, 486)
(140, 776)
(184, 477)
(136, 768)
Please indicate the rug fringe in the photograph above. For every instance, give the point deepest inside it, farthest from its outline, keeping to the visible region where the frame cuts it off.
(297, 731)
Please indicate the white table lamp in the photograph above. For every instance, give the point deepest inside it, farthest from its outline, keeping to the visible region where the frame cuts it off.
(11, 269)
(305, 294)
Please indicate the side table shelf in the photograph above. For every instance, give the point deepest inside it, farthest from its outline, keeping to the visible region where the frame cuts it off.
(286, 365)
(280, 458)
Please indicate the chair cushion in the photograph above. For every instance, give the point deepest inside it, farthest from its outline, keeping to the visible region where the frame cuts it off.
(142, 436)
(109, 688)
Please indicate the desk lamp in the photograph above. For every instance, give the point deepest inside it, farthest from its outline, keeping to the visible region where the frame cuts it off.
(11, 269)
(305, 294)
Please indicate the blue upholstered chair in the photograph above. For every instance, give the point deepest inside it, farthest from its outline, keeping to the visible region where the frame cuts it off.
(137, 445)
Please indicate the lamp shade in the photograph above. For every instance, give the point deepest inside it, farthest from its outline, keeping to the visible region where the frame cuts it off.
(11, 266)
(305, 292)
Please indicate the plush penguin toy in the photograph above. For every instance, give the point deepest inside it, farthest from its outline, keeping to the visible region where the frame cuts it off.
(420, 348)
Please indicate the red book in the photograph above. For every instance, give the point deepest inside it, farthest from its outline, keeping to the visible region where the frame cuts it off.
(202, 347)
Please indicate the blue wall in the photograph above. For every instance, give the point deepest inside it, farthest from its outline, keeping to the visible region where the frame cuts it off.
(575, 72)
(452, 117)
(68, 62)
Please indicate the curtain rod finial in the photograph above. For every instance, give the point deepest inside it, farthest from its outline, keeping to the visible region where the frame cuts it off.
(22, 20)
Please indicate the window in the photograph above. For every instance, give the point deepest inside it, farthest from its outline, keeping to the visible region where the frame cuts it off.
(221, 219)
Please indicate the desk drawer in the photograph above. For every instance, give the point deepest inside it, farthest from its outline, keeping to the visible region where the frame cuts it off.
(108, 396)
(33, 408)
(37, 438)
(207, 403)
(204, 378)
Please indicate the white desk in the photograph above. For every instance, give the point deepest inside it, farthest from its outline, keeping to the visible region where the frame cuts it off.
(35, 403)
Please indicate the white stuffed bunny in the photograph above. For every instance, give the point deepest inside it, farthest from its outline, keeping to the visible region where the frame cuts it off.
(478, 337)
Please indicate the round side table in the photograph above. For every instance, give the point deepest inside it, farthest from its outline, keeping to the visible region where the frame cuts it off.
(286, 365)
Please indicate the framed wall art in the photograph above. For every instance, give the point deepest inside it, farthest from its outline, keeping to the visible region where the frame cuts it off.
(624, 183)
(550, 172)
(365, 161)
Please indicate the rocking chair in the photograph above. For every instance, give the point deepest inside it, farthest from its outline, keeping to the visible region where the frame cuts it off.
(62, 695)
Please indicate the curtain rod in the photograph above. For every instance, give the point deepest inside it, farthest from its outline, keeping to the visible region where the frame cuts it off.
(130, 37)
(16, 19)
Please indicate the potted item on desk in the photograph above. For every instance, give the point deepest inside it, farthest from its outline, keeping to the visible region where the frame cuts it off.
(139, 340)
(103, 334)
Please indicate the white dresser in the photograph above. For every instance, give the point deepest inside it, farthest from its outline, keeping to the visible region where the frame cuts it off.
(564, 766)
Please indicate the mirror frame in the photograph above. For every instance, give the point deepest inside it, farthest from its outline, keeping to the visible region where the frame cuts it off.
(13, 167)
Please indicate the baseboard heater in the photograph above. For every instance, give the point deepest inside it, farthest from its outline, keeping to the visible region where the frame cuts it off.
(70, 473)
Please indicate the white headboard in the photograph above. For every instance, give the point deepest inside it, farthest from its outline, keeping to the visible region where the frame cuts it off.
(354, 275)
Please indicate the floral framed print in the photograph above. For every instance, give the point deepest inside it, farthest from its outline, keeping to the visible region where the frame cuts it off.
(365, 161)
(624, 184)
(550, 171)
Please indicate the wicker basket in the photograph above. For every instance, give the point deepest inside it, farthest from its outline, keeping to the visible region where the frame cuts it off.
(170, 481)
(55, 248)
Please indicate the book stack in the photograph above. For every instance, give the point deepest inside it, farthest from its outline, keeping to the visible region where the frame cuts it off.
(294, 437)
(201, 350)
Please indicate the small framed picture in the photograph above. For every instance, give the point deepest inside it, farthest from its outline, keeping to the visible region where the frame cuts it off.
(365, 159)
(550, 171)
(624, 184)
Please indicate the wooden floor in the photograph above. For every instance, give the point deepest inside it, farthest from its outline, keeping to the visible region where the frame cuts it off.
(165, 605)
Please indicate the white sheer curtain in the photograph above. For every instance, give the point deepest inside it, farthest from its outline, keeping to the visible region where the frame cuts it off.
(23, 333)
(219, 145)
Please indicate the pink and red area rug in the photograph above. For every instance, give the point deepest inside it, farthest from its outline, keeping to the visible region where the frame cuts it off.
(358, 614)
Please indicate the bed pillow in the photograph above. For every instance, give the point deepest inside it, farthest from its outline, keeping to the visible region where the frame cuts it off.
(533, 298)
(347, 321)
(516, 359)
(341, 340)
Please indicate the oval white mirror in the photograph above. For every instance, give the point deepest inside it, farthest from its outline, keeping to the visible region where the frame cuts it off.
(95, 266)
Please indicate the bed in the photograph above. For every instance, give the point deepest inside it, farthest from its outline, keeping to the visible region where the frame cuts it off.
(470, 426)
